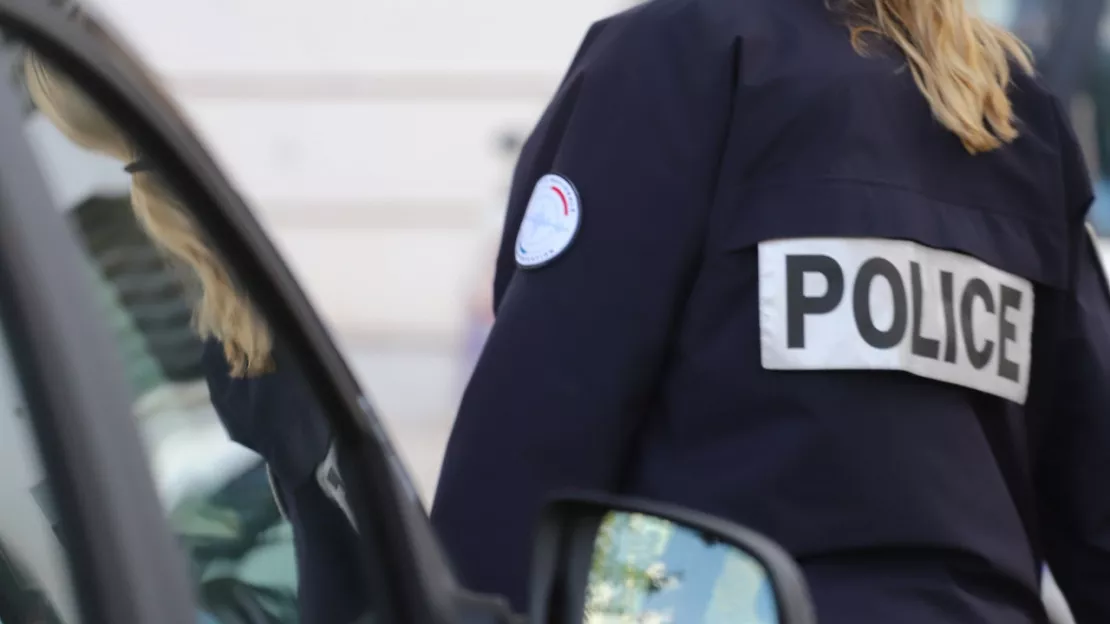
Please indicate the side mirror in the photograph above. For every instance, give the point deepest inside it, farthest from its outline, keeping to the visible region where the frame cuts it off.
(604, 560)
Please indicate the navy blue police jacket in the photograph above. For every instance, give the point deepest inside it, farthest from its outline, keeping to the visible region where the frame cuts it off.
(746, 271)
(277, 416)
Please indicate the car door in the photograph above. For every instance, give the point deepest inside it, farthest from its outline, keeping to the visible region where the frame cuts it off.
(165, 494)
(123, 500)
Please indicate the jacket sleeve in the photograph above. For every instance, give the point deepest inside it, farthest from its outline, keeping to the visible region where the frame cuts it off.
(275, 415)
(574, 357)
(1075, 458)
(1073, 441)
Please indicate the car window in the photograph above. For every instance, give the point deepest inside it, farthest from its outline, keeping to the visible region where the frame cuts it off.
(34, 579)
(22, 597)
(196, 350)
(239, 546)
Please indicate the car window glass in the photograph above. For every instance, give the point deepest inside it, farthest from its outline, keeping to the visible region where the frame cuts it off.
(34, 580)
(235, 437)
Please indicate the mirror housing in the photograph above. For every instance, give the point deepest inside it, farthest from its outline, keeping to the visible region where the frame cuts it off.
(598, 557)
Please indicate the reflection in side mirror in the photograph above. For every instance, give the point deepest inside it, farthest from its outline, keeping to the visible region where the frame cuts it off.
(647, 569)
(620, 561)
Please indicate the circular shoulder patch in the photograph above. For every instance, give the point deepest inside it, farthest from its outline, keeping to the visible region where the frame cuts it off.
(550, 222)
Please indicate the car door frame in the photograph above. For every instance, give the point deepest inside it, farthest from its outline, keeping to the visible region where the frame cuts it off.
(420, 586)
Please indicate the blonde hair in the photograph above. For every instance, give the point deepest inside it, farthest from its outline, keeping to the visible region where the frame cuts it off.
(221, 311)
(960, 61)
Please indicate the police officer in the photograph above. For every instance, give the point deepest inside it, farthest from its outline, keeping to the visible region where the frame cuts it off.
(820, 269)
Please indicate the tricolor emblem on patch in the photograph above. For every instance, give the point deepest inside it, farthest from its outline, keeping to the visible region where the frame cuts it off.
(550, 222)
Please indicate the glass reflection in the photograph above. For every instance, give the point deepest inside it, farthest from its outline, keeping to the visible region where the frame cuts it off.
(172, 306)
(648, 570)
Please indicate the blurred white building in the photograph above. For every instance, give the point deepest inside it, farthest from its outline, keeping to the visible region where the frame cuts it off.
(367, 133)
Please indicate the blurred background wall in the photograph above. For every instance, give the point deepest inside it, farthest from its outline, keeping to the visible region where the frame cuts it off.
(370, 135)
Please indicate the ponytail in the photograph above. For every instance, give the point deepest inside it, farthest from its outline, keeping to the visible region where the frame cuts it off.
(960, 62)
(222, 312)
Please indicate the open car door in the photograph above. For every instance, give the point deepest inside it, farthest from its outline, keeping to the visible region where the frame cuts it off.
(122, 498)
